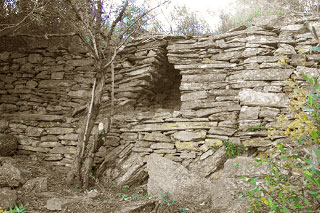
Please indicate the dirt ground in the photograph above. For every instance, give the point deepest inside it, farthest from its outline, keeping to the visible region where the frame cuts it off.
(108, 197)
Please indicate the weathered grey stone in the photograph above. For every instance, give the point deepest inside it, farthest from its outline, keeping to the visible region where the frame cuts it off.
(243, 166)
(80, 62)
(194, 96)
(54, 83)
(257, 142)
(249, 113)
(8, 145)
(210, 164)
(64, 150)
(168, 176)
(10, 176)
(172, 126)
(189, 136)
(35, 58)
(162, 146)
(7, 198)
(71, 137)
(129, 136)
(257, 75)
(137, 206)
(285, 49)
(164, 151)
(131, 166)
(49, 144)
(31, 84)
(32, 117)
(222, 131)
(37, 185)
(4, 56)
(204, 78)
(34, 131)
(267, 112)
(136, 149)
(206, 154)
(254, 98)
(57, 75)
(59, 131)
(156, 136)
(187, 155)
(261, 59)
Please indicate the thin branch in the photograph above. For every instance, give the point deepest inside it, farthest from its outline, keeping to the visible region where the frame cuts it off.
(8, 29)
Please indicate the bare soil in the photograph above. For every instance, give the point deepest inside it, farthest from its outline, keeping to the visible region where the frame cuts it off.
(109, 197)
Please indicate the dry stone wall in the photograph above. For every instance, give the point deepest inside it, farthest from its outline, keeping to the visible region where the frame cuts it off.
(175, 96)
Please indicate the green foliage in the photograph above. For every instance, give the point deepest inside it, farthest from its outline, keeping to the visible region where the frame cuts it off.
(165, 199)
(293, 182)
(257, 128)
(16, 209)
(233, 150)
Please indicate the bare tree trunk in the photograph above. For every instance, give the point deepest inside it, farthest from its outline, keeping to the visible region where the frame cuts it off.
(83, 150)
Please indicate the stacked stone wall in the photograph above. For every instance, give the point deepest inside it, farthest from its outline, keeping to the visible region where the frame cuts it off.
(176, 96)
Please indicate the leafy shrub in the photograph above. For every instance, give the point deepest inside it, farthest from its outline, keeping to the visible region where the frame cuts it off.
(233, 150)
(293, 184)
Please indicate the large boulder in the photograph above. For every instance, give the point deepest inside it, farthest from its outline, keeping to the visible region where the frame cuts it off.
(166, 176)
(10, 176)
(8, 145)
(229, 186)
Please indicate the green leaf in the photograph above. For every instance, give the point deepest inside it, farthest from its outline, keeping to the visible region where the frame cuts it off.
(285, 210)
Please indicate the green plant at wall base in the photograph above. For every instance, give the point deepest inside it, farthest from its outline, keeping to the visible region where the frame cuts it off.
(165, 199)
(258, 128)
(293, 182)
(124, 191)
(233, 150)
(16, 209)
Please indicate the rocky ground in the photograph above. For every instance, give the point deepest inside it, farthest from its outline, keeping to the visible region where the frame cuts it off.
(41, 187)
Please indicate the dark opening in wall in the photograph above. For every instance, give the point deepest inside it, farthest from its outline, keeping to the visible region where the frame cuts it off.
(165, 90)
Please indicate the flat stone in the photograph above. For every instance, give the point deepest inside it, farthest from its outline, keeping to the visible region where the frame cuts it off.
(139, 149)
(164, 151)
(80, 62)
(64, 150)
(186, 146)
(257, 142)
(34, 131)
(129, 136)
(189, 136)
(55, 83)
(249, 113)
(188, 155)
(59, 131)
(204, 78)
(194, 96)
(267, 112)
(254, 98)
(156, 136)
(267, 74)
(70, 136)
(222, 131)
(35, 58)
(172, 126)
(162, 146)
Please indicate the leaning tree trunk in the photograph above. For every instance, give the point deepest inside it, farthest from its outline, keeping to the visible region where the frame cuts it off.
(79, 173)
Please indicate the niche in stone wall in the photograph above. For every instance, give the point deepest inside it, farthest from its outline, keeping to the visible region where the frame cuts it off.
(164, 92)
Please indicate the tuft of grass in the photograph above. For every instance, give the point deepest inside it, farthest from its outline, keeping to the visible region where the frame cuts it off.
(16, 209)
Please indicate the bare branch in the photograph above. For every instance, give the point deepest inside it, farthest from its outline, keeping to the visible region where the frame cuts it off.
(12, 28)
